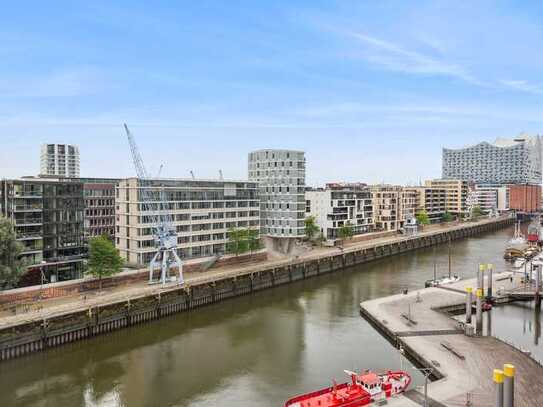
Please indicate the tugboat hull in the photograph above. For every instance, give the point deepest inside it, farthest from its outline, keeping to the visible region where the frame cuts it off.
(364, 390)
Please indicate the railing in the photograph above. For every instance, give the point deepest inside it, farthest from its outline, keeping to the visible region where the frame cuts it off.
(27, 208)
(28, 221)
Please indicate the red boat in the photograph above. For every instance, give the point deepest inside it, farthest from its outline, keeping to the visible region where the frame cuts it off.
(363, 390)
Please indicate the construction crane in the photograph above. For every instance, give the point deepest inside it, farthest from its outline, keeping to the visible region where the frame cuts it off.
(153, 203)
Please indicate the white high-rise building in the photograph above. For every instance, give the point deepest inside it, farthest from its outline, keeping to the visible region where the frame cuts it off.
(281, 177)
(516, 161)
(59, 160)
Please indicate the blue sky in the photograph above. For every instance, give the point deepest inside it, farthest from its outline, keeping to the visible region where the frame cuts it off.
(371, 90)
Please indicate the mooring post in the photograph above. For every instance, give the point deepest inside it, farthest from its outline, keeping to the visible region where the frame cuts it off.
(479, 312)
(469, 304)
(509, 386)
(538, 285)
(490, 269)
(498, 380)
(481, 279)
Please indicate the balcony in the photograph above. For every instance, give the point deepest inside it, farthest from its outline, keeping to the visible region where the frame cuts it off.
(29, 222)
(27, 208)
(29, 236)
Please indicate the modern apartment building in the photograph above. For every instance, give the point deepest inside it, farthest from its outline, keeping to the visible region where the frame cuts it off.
(393, 205)
(338, 204)
(516, 161)
(202, 211)
(47, 215)
(99, 196)
(456, 194)
(59, 160)
(281, 178)
(491, 199)
(432, 200)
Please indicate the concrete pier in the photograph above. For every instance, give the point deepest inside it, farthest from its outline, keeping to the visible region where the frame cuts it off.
(463, 365)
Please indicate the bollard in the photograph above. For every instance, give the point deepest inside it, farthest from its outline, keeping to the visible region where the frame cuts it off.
(479, 312)
(481, 279)
(509, 386)
(469, 304)
(498, 380)
(490, 269)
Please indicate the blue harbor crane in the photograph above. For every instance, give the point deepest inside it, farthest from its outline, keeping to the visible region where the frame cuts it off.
(152, 199)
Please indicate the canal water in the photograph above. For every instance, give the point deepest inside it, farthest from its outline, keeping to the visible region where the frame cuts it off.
(256, 350)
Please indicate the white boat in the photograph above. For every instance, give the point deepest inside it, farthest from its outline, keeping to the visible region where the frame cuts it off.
(442, 281)
(518, 240)
(519, 263)
(517, 245)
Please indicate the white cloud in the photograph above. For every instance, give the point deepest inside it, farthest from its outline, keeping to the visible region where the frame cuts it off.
(524, 86)
(397, 58)
(66, 83)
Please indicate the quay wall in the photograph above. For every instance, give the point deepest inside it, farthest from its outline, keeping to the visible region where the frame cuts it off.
(73, 287)
(38, 334)
(398, 342)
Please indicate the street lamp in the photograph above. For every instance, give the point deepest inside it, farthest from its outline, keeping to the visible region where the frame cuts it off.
(42, 277)
(427, 372)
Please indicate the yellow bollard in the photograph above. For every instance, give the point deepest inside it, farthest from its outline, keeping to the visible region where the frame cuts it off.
(498, 380)
(509, 372)
(469, 304)
(479, 313)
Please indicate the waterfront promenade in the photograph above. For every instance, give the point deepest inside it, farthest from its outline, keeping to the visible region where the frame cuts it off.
(463, 364)
(50, 308)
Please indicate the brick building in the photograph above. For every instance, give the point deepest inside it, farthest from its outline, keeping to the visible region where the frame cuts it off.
(525, 198)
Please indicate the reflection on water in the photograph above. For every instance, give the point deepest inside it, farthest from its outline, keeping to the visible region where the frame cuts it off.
(518, 323)
(253, 350)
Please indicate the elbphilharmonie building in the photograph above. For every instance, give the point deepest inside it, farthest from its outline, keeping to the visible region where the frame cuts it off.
(516, 161)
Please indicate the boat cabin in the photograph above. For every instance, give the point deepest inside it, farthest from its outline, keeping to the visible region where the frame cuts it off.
(371, 383)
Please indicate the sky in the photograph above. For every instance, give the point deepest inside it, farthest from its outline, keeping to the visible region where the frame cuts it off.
(370, 90)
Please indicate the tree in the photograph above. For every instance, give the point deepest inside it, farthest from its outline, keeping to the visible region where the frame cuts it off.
(422, 218)
(346, 231)
(311, 227)
(254, 240)
(238, 241)
(447, 217)
(476, 211)
(104, 259)
(11, 266)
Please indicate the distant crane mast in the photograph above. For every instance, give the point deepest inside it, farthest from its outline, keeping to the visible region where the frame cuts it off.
(153, 202)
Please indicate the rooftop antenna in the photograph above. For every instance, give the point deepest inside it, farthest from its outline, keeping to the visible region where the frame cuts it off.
(220, 175)
(192, 174)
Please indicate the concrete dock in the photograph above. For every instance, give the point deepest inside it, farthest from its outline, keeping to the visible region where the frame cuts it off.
(463, 365)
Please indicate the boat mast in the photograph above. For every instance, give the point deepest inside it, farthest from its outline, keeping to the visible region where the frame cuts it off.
(449, 257)
(435, 265)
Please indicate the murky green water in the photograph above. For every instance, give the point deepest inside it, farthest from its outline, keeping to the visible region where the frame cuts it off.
(250, 351)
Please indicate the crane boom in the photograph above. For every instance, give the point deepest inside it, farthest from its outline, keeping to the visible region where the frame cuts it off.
(153, 204)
